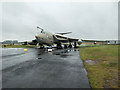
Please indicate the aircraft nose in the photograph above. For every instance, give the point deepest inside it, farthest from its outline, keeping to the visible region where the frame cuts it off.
(36, 37)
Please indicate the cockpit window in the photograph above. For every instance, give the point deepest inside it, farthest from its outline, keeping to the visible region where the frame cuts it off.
(43, 32)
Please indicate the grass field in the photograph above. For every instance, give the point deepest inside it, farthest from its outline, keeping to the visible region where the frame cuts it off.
(101, 63)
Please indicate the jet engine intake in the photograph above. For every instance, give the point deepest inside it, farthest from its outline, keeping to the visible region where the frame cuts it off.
(79, 42)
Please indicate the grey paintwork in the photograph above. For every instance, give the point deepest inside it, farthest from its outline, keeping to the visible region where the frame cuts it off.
(45, 38)
(49, 38)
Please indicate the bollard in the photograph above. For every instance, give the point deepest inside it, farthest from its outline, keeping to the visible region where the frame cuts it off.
(25, 50)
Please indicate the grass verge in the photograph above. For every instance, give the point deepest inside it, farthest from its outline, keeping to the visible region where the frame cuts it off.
(101, 63)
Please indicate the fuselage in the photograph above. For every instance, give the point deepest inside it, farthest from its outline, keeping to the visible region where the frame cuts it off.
(45, 38)
(49, 39)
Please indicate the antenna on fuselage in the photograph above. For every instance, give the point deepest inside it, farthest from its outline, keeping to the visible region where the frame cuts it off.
(40, 28)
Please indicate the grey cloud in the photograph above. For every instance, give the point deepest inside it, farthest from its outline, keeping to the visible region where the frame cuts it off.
(85, 20)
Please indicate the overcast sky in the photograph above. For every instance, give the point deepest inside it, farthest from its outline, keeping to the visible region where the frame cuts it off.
(86, 20)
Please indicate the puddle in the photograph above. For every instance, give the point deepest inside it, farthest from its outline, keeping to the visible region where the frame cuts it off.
(56, 53)
(38, 58)
(92, 62)
(12, 55)
(64, 55)
(65, 51)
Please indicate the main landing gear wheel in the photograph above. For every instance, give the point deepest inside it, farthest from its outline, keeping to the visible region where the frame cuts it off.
(65, 46)
(70, 45)
(59, 46)
(75, 45)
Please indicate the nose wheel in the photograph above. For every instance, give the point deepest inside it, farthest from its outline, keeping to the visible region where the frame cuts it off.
(41, 46)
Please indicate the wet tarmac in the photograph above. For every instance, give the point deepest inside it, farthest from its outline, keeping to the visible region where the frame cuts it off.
(39, 68)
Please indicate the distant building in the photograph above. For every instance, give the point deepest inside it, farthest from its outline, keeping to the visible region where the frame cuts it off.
(97, 42)
(7, 42)
(113, 42)
(15, 42)
(94, 42)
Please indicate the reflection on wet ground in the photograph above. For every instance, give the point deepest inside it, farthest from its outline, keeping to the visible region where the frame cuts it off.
(12, 55)
(64, 53)
(38, 68)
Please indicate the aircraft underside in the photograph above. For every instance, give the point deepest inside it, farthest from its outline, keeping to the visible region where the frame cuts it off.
(59, 45)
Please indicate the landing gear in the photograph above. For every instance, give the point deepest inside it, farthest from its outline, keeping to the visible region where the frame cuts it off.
(59, 46)
(41, 46)
(70, 45)
(65, 46)
(75, 45)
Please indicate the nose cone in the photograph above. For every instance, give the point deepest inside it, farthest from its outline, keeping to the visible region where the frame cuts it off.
(36, 37)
